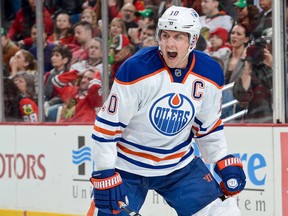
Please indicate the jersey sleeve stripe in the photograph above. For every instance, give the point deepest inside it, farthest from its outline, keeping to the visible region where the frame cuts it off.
(139, 79)
(107, 132)
(149, 156)
(113, 124)
(198, 129)
(101, 139)
(144, 165)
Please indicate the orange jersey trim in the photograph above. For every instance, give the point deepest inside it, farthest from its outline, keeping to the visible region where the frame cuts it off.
(148, 156)
(139, 79)
(107, 132)
(190, 69)
(218, 123)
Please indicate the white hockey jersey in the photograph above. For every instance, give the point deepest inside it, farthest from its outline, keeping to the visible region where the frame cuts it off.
(149, 120)
(220, 20)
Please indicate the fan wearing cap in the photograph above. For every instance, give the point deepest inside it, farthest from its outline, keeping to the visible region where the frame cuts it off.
(247, 14)
(147, 27)
(120, 50)
(163, 97)
(146, 17)
(218, 43)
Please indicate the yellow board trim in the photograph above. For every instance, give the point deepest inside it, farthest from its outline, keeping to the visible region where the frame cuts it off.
(8, 212)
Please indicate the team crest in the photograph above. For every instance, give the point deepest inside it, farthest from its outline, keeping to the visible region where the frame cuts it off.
(28, 109)
(171, 113)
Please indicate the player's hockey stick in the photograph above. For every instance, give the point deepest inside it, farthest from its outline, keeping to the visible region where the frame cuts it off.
(128, 210)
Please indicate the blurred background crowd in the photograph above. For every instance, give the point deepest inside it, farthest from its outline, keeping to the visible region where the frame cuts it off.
(236, 33)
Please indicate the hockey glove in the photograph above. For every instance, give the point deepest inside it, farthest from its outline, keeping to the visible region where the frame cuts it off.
(108, 190)
(230, 170)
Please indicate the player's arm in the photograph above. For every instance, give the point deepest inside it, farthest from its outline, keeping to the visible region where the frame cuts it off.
(111, 120)
(209, 136)
(64, 79)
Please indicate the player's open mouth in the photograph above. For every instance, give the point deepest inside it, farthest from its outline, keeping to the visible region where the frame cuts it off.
(172, 55)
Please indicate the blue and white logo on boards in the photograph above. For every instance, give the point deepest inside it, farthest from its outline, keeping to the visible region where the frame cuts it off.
(171, 113)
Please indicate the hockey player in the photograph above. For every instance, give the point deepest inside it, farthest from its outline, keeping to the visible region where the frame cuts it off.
(161, 99)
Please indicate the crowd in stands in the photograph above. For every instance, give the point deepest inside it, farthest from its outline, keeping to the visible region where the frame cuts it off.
(236, 33)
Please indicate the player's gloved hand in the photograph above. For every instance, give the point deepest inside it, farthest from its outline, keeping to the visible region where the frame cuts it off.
(108, 190)
(230, 170)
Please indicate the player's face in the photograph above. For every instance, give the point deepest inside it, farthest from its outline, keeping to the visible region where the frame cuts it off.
(174, 47)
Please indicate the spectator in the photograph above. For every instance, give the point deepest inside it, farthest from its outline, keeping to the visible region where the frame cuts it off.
(147, 31)
(11, 95)
(120, 50)
(117, 26)
(115, 6)
(83, 35)
(149, 41)
(63, 31)
(23, 60)
(233, 63)
(25, 83)
(213, 18)
(239, 38)
(47, 48)
(9, 49)
(128, 16)
(147, 16)
(94, 58)
(72, 7)
(247, 14)
(80, 101)
(90, 4)
(218, 41)
(265, 18)
(20, 30)
(89, 15)
(61, 57)
(254, 87)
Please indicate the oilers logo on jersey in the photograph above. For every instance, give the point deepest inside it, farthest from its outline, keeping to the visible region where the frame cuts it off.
(171, 113)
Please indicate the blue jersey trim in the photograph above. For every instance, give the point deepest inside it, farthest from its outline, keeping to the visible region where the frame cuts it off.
(207, 67)
(141, 164)
(160, 151)
(113, 124)
(144, 62)
(101, 139)
(221, 127)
